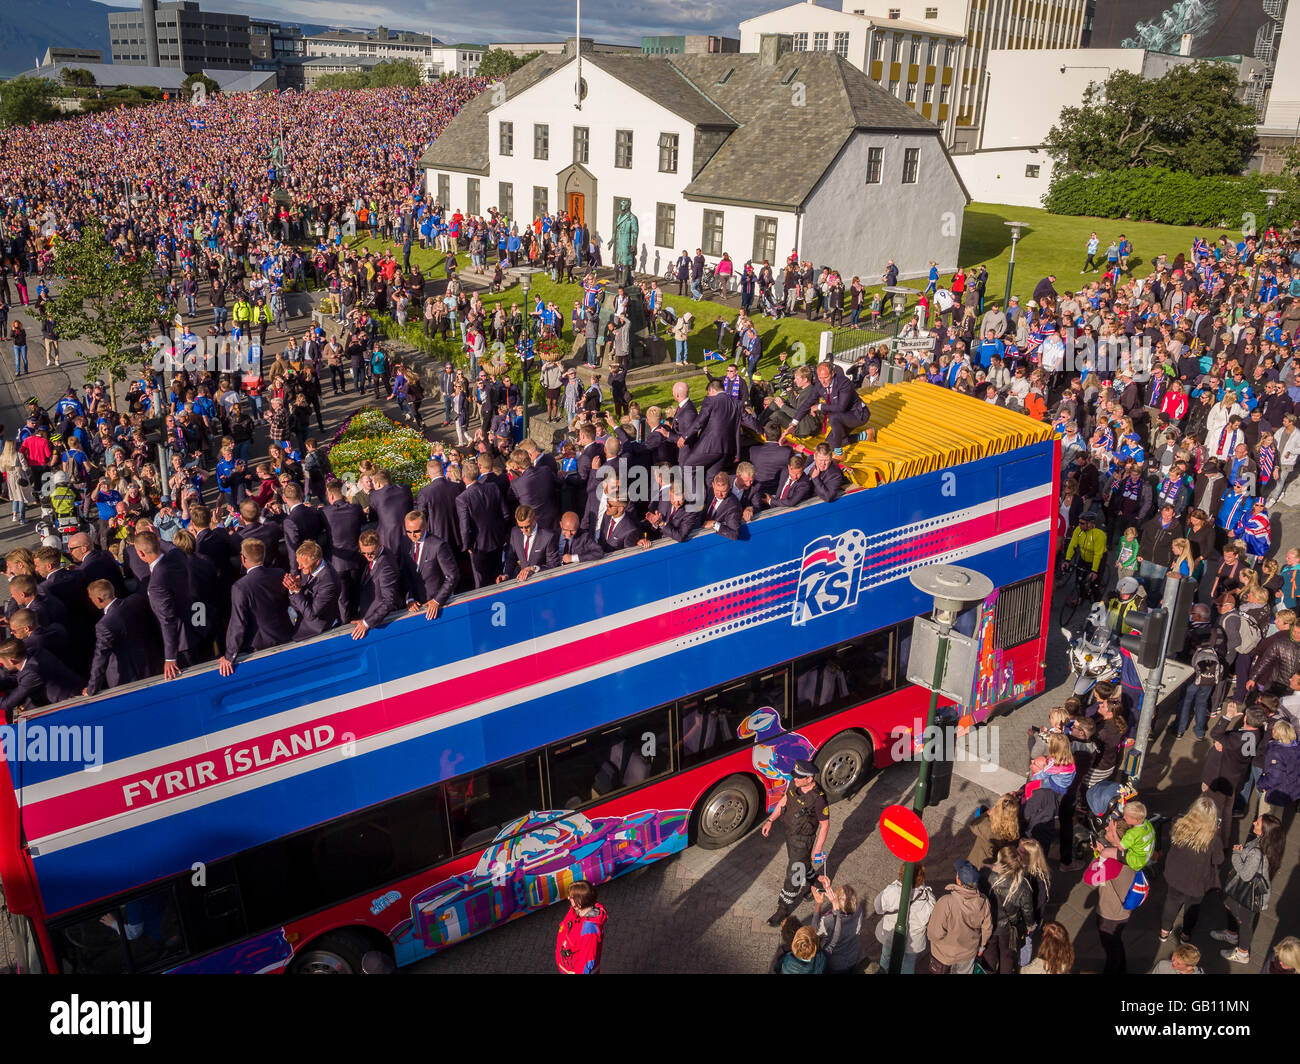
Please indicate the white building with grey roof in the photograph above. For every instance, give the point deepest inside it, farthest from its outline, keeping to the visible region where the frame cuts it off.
(754, 155)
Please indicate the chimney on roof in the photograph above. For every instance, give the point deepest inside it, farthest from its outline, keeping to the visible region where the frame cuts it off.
(381, 32)
(588, 45)
(1185, 45)
(771, 46)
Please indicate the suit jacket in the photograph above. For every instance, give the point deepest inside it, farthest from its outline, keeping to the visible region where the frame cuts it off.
(344, 520)
(725, 515)
(259, 612)
(222, 550)
(481, 514)
(390, 505)
(168, 589)
(717, 430)
(769, 460)
(543, 552)
(685, 418)
(795, 492)
(437, 574)
(380, 592)
(539, 488)
(592, 450)
(303, 522)
(838, 397)
(42, 681)
(617, 533)
(69, 587)
(317, 603)
(122, 654)
(100, 565)
(272, 534)
(206, 587)
(437, 501)
(56, 640)
(827, 485)
(582, 547)
(679, 524)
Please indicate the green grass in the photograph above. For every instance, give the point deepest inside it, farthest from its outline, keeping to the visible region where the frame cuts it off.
(1052, 244)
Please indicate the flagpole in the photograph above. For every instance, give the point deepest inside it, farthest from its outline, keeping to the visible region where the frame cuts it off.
(577, 46)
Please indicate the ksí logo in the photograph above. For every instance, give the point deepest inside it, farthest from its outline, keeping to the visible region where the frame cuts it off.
(828, 575)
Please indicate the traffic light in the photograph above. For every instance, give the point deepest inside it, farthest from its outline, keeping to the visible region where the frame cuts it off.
(1145, 637)
(1180, 595)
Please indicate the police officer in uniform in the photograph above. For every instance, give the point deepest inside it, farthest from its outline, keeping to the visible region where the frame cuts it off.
(807, 820)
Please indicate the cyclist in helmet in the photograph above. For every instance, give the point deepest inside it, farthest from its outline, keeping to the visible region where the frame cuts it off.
(1089, 542)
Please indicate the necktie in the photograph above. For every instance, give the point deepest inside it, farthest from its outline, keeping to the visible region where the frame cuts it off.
(609, 528)
(528, 542)
(786, 488)
(419, 547)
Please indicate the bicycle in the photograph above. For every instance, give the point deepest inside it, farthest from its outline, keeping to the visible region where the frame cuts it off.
(712, 282)
(1078, 583)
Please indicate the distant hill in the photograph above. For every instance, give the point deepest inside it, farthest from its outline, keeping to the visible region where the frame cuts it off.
(28, 27)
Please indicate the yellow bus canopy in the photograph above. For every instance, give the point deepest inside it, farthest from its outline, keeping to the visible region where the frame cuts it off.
(921, 427)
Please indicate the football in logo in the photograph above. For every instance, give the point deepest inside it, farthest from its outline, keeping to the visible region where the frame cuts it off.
(828, 575)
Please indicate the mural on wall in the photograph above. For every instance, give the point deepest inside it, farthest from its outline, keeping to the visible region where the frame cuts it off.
(1217, 28)
(1165, 33)
(995, 675)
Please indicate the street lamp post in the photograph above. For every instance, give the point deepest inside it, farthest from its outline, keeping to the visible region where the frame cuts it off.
(899, 296)
(952, 587)
(1016, 229)
(1271, 196)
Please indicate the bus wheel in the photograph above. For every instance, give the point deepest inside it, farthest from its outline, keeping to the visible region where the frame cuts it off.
(338, 953)
(844, 764)
(727, 812)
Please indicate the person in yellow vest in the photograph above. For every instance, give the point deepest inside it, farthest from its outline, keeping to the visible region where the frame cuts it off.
(261, 319)
(242, 313)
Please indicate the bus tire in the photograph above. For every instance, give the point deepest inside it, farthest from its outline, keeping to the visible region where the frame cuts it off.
(727, 812)
(338, 953)
(843, 765)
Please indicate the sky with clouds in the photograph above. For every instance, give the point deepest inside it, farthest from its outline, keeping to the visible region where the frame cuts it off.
(622, 21)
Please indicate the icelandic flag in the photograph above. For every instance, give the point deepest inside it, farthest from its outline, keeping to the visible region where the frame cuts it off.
(1137, 891)
(1131, 684)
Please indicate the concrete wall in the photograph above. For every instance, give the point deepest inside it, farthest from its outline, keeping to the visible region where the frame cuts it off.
(858, 227)
(999, 176)
(1283, 111)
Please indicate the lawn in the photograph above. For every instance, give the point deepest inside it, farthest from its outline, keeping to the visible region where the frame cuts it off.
(1051, 243)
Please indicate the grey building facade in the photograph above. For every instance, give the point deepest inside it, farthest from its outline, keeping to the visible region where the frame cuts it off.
(180, 35)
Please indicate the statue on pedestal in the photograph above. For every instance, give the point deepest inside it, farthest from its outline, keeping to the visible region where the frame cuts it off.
(627, 233)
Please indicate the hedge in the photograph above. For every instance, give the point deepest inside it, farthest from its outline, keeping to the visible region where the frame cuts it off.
(1172, 197)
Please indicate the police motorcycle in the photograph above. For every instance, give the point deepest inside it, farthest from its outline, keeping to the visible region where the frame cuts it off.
(1094, 651)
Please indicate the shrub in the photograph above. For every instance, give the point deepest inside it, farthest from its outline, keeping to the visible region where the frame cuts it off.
(1170, 197)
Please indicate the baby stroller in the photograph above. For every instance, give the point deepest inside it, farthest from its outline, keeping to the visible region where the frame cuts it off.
(769, 306)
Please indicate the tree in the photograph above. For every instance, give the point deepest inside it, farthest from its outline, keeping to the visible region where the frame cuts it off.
(77, 77)
(390, 72)
(1188, 120)
(498, 63)
(25, 100)
(106, 300)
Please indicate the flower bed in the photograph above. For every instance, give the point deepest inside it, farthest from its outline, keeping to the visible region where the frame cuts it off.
(369, 435)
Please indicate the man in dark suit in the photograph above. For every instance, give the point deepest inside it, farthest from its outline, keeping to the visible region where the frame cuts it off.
(834, 397)
(588, 452)
(535, 486)
(437, 501)
(208, 609)
(25, 593)
(793, 487)
(268, 532)
(313, 592)
(344, 520)
(301, 523)
(390, 503)
(482, 518)
(259, 607)
(619, 528)
(381, 583)
(538, 457)
(94, 564)
(769, 460)
(38, 679)
(826, 476)
(572, 545)
(723, 510)
(68, 586)
(125, 644)
(25, 625)
(672, 518)
(168, 589)
(530, 547)
(715, 436)
(429, 570)
(686, 414)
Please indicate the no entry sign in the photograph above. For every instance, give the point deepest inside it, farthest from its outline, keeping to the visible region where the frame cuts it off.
(904, 833)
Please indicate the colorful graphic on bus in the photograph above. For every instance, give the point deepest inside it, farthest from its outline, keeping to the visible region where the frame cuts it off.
(775, 750)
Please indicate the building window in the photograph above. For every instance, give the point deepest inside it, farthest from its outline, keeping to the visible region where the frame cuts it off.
(821, 41)
(914, 51)
(711, 240)
(665, 225)
(931, 12)
(947, 55)
(444, 189)
(911, 92)
(507, 138)
(764, 239)
(801, 42)
(506, 199)
(623, 149)
(541, 141)
(842, 45)
(911, 159)
(877, 47)
(472, 201)
(581, 144)
(927, 94)
(1031, 171)
(943, 93)
(895, 12)
(539, 202)
(875, 163)
(893, 87)
(931, 52)
(896, 48)
(668, 152)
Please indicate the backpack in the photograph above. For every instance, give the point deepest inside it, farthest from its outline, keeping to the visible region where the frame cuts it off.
(1206, 667)
(1249, 634)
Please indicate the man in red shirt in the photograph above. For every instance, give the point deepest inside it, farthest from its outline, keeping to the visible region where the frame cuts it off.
(36, 449)
(582, 932)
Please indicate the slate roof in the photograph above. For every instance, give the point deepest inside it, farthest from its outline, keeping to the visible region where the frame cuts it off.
(780, 139)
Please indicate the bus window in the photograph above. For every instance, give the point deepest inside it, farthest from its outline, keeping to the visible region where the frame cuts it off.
(94, 946)
(480, 804)
(709, 723)
(611, 759)
(153, 933)
(843, 676)
(140, 934)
